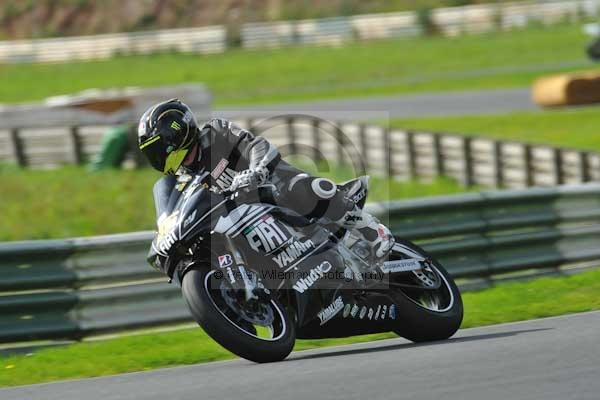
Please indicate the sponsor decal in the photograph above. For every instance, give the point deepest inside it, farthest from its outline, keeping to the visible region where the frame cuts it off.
(220, 168)
(166, 237)
(225, 178)
(405, 265)
(166, 223)
(189, 219)
(393, 311)
(166, 242)
(314, 275)
(377, 312)
(266, 235)
(142, 129)
(353, 216)
(347, 309)
(240, 218)
(331, 310)
(354, 311)
(370, 315)
(225, 260)
(176, 125)
(384, 311)
(187, 117)
(363, 312)
(295, 250)
(359, 196)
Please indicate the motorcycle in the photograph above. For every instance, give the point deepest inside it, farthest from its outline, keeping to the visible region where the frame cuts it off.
(256, 275)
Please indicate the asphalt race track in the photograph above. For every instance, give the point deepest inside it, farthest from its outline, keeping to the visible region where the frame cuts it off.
(550, 359)
(496, 101)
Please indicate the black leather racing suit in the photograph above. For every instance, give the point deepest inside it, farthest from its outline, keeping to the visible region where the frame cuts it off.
(226, 149)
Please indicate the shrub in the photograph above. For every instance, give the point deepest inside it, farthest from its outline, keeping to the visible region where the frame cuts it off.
(425, 21)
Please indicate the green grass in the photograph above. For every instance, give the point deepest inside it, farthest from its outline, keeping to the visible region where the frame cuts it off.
(504, 303)
(501, 59)
(74, 202)
(575, 128)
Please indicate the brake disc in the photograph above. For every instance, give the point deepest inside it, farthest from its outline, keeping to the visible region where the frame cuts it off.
(424, 278)
(255, 311)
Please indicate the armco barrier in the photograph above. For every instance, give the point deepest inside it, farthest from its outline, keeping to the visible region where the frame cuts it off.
(76, 287)
(205, 40)
(401, 154)
(326, 31)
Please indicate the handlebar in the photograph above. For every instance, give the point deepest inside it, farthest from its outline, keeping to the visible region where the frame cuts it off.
(268, 187)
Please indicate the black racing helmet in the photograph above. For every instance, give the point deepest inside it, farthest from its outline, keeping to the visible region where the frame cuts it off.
(166, 133)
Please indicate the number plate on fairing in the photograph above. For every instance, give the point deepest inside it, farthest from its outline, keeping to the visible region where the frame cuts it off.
(405, 265)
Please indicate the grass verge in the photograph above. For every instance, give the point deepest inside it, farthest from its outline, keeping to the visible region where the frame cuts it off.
(507, 302)
(71, 201)
(574, 127)
(491, 60)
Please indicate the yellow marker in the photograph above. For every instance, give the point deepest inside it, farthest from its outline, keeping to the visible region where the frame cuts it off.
(149, 142)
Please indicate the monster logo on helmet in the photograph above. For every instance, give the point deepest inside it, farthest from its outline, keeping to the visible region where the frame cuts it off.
(166, 134)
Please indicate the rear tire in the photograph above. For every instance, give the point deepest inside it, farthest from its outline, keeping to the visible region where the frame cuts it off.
(416, 322)
(225, 332)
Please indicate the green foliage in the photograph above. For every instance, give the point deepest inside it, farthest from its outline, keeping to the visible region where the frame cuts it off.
(493, 60)
(425, 20)
(457, 3)
(145, 22)
(10, 11)
(505, 303)
(234, 36)
(348, 7)
(576, 128)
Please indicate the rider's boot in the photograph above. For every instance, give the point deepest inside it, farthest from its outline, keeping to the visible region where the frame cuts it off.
(377, 235)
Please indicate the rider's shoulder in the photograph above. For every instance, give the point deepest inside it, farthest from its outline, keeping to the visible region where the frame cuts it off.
(226, 127)
(219, 124)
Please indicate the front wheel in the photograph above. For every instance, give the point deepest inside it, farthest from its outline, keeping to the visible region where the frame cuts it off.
(428, 299)
(260, 332)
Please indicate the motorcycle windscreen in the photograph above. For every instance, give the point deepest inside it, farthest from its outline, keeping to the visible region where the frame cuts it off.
(195, 208)
(165, 198)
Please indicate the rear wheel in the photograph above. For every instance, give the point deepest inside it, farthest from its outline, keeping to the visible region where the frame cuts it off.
(259, 331)
(428, 300)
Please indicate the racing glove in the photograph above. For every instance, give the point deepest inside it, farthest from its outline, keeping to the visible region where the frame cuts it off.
(250, 178)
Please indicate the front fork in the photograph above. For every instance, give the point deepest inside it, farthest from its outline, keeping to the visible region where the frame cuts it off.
(242, 279)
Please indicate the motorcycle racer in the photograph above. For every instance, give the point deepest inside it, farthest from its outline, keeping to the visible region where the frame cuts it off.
(174, 143)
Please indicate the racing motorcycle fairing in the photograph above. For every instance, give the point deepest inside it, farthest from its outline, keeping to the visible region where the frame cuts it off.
(185, 209)
(272, 240)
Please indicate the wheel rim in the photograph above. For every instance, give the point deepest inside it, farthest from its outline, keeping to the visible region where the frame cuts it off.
(272, 330)
(437, 300)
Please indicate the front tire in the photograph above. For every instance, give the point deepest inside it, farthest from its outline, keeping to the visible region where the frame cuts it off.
(203, 295)
(438, 315)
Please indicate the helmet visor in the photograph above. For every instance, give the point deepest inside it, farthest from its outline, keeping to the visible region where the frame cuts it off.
(174, 160)
(153, 149)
